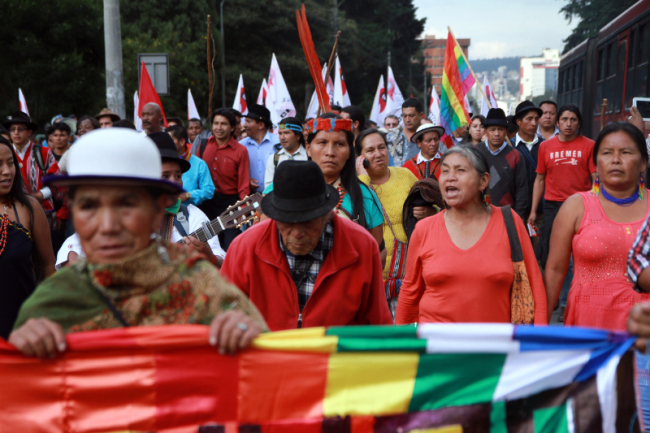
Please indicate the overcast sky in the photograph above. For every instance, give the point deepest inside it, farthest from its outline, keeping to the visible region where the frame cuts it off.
(498, 28)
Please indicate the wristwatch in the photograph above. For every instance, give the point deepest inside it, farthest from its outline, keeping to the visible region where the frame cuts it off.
(188, 196)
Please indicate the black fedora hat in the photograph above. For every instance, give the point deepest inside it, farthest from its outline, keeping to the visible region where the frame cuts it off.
(22, 118)
(496, 117)
(525, 107)
(259, 113)
(299, 193)
(168, 150)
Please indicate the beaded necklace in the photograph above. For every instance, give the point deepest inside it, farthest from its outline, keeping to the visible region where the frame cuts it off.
(341, 191)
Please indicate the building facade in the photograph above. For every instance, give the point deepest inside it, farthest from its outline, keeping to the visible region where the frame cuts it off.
(434, 57)
(538, 75)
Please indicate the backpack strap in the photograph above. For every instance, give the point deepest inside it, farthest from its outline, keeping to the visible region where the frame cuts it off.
(516, 252)
(37, 151)
(202, 145)
(276, 159)
(182, 222)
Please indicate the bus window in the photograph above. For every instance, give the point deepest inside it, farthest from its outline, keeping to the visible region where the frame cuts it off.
(600, 75)
(643, 54)
(609, 88)
(622, 51)
(629, 83)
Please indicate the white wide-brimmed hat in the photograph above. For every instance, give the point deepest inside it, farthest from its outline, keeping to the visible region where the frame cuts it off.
(114, 156)
(426, 127)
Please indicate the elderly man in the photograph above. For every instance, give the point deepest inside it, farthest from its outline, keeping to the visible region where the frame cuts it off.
(306, 266)
(508, 178)
(152, 118)
(293, 147)
(427, 162)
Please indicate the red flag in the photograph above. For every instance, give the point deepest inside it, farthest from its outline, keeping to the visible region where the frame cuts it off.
(147, 93)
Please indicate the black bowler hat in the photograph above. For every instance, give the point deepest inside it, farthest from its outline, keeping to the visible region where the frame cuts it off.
(525, 107)
(168, 150)
(259, 113)
(299, 193)
(20, 118)
(496, 117)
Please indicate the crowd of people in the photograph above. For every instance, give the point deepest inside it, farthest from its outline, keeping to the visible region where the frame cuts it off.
(104, 226)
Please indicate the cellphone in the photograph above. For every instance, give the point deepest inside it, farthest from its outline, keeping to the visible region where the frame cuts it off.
(643, 105)
(366, 163)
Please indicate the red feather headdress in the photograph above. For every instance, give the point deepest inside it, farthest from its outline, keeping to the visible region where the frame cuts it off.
(312, 60)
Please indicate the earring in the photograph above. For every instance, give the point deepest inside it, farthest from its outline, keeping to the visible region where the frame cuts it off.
(595, 188)
(641, 186)
(486, 199)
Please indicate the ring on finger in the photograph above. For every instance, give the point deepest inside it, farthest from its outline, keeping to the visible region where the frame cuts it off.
(242, 326)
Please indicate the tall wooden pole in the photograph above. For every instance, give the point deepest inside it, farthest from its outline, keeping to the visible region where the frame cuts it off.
(330, 64)
(210, 83)
(470, 68)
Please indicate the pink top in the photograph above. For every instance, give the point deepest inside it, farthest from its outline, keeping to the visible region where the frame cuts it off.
(601, 294)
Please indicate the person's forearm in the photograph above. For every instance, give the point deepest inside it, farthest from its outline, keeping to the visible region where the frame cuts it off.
(553, 279)
(643, 281)
(538, 190)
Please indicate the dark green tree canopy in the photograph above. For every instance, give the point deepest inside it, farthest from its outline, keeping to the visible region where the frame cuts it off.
(56, 50)
(593, 15)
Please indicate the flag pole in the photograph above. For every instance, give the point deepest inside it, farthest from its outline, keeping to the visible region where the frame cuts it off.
(210, 83)
(330, 63)
(480, 86)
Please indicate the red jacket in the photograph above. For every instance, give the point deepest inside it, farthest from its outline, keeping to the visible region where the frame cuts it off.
(349, 289)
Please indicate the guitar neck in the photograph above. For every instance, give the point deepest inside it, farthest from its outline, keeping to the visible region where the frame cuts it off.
(201, 235)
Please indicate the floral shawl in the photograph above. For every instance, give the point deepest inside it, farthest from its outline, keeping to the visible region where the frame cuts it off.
(163, 284)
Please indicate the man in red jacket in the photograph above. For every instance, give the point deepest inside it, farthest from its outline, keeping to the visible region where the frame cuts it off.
(306, 266)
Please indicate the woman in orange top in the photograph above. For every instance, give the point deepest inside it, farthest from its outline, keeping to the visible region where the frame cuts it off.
(459, 267)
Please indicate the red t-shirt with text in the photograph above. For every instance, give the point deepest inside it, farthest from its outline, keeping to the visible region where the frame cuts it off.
(567, 166)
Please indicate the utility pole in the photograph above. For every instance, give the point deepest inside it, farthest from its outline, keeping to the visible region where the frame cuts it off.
(424, 95)
(113, 47)
(223, 61)
(335, 16)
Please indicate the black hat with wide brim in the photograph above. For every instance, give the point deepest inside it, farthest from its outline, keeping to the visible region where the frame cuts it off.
(20, 118)
(525, 107)
(496, 117)
(259, 113)
(299, 193)
(167, 149)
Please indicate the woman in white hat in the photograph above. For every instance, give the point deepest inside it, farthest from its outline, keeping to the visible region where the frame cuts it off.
(129, 276)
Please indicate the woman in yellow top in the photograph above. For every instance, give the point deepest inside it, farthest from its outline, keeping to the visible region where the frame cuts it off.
(392, 186)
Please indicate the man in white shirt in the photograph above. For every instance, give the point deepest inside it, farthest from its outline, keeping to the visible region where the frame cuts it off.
(293, 147)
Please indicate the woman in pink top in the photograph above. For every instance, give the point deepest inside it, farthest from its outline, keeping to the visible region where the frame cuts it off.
(599, 228)
(459, 267)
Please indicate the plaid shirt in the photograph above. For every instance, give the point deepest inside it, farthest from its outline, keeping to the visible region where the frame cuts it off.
(637, 259)
(305, 269)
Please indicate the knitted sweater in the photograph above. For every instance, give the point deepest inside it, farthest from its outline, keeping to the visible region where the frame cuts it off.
(508, 178)
(392, 196)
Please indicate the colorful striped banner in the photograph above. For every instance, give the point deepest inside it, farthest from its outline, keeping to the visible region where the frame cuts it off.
(431, 378)
(457, 79)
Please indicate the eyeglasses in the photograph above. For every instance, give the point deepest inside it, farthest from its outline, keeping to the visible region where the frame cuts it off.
(17, 129)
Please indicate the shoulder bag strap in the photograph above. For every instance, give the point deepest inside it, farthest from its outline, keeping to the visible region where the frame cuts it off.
(183, 227)
(381, 206)
(113, 309)
(516, 252)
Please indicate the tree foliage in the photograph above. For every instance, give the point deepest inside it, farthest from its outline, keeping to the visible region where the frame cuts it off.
(57, 49)
(593, 15)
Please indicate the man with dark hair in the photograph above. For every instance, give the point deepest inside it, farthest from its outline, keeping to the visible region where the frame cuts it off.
(400, 147)
(512, 127)
(59, 134)
(547, 120)
(171, 121)
(412, 115)
(508, 178)
(197, 180)
(152, 118)
(229, 167)
(239, 126)
(293, 147)
(194, 129)
(357, 116)
(336, 109)
(260, 143)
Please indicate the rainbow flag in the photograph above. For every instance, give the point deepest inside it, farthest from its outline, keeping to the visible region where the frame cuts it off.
(366, 379)
(457, 79)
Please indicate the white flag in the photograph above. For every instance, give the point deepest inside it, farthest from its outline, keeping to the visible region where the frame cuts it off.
(137, 121)
(395, 99)
(341, 95)
(378, 113)
(264, 93)
(192, 112)
(23, 103)
(240, 103)
(434, 107)
(312, 111)
(279, 94)
(490, 94)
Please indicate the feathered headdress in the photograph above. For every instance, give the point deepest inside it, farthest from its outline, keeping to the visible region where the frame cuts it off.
(312, 60)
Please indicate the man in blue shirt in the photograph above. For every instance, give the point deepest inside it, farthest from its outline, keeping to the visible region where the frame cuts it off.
(197, 181)
(260, 143)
